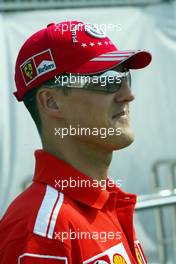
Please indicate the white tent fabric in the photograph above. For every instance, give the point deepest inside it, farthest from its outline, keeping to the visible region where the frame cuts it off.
(153, 112)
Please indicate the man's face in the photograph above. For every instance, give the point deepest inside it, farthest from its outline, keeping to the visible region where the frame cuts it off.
(97, 110)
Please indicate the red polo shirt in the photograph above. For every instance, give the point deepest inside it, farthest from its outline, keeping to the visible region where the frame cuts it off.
(65, 217)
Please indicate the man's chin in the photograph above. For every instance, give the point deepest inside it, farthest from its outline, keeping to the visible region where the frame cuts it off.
(124, 140)
(111, 143)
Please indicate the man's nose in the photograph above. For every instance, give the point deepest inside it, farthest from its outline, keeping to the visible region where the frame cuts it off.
(124, 94)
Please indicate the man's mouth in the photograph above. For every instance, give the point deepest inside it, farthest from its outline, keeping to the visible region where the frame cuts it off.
(123, 113)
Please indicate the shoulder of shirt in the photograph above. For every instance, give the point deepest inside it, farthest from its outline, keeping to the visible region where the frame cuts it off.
(41, 211)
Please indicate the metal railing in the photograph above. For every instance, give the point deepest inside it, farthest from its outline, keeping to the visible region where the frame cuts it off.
(160, 199)
(152, 201)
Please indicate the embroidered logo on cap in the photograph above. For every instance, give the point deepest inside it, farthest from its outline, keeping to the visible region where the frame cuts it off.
(94, 31)
(28, 69)
(74, 32)
(37, 65)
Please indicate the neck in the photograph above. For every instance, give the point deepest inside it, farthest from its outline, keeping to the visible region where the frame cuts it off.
(87, 158)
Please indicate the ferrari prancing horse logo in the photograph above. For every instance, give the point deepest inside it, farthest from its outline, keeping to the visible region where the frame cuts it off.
(28, 70)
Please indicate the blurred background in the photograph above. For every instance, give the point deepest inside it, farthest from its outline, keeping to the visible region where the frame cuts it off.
(148, 166)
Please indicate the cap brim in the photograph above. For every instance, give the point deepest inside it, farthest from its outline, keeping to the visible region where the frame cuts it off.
(129, 59)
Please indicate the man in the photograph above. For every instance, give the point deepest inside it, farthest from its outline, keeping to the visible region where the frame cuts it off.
(76, 85)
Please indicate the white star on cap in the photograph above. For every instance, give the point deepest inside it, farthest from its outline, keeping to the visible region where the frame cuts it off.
(84, 45)
(99, 43)
(106, 42)
(92, 44)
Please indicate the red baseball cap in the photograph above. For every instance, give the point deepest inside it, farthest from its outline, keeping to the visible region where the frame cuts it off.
(70, 47)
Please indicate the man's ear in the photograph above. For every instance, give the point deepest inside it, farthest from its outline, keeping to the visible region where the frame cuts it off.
(47, 101)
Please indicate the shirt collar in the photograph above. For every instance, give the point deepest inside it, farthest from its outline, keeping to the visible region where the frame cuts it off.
(52, 171)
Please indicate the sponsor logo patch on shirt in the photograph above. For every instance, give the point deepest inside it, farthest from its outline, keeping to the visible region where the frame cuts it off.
(139, 253)
(37, 65)
(114, 255)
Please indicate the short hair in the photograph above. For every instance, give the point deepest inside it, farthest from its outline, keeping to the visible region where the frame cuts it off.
(30, 101)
